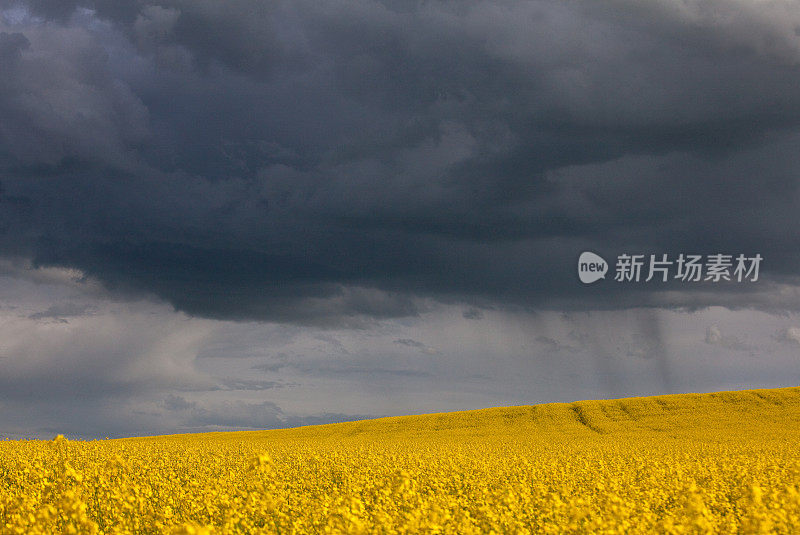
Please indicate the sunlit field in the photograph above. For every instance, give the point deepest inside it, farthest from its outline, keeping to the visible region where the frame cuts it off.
(695, 463)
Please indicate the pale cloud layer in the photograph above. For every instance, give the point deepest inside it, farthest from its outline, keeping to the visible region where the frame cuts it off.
(75, 361)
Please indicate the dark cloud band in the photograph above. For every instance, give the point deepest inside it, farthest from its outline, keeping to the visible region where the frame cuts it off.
(310, 162)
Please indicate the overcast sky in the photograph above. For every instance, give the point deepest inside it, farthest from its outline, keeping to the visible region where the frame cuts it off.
(258, 214)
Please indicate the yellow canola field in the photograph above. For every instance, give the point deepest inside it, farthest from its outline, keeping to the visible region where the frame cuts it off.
(693, 463)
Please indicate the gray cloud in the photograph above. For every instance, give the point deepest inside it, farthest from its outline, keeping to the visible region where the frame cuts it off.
(472, 314)
(248, 384)
(715, 337)
(342, 369)
(62, 310)
(415, 344)
(409, 342)
(552, 345)
(241, 415)
(177, 403)
(790, 335)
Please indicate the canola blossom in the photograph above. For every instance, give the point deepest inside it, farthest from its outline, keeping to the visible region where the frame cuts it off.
(693, 463)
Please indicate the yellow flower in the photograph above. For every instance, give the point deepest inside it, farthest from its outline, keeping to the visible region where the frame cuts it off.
(724, 463)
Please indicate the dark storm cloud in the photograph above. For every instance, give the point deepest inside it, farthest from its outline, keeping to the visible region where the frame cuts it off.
(324, 162)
